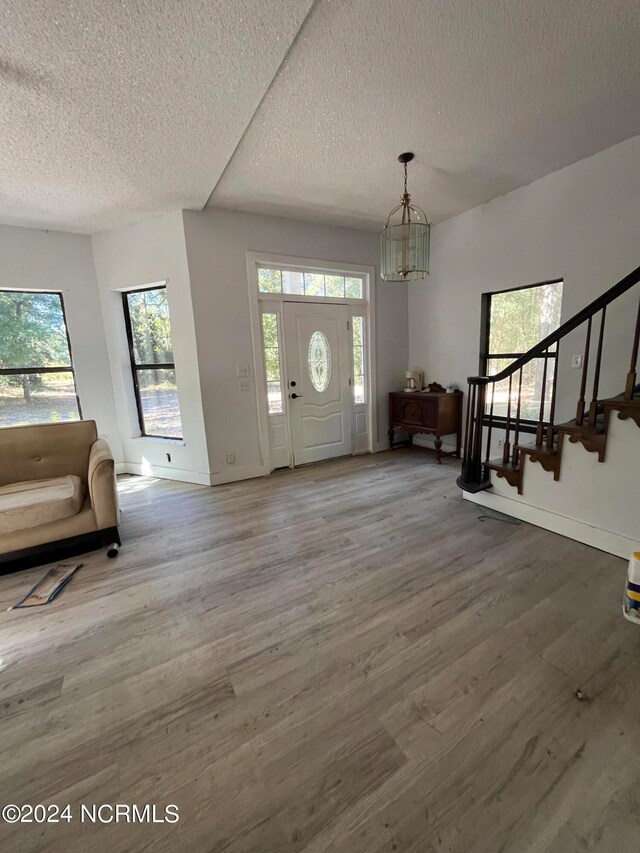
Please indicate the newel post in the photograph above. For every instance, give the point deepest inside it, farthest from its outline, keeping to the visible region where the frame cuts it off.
(472, 478)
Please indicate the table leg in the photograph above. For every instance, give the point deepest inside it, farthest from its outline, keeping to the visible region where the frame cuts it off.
(438, 444)
(391, 434)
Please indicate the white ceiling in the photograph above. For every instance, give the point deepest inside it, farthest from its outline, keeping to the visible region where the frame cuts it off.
(112, 111)
(116, 109)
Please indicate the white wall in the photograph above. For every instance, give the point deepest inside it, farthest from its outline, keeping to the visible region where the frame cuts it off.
(52, 260)
(217, 242)
(134, 256)
(597, 503)
(581, 224)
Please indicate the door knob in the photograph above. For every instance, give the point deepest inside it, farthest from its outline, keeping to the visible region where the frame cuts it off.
(295, 396)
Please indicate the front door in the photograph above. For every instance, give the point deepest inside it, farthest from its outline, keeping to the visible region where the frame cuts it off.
(317, 378)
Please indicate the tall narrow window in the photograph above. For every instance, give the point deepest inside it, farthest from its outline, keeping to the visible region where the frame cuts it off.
(146, 315)
(359, 383)
(513, 321)
(37, 383)
(272, 363)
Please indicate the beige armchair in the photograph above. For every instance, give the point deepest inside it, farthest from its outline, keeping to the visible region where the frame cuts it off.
(57, 489)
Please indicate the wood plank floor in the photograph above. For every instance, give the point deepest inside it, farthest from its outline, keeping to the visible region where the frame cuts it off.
(338, 658)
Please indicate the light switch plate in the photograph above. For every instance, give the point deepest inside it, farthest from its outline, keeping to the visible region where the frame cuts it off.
(243, 370)
(576, 362)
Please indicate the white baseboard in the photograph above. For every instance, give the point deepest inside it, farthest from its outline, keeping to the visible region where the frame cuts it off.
(604, 540)
(163, 472)
(234, 475)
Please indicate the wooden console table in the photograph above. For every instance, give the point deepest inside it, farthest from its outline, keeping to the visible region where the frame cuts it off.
(426, 412)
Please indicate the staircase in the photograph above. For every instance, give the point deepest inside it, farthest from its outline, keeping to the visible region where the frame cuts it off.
(548, 439)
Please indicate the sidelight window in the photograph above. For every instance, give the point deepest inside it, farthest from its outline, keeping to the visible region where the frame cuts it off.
(272, 362)
(359, 383)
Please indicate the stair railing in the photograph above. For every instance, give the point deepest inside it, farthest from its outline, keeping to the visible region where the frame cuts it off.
(482, 389)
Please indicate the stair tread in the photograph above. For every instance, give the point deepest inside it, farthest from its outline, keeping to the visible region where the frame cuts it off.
(499, 465)
(634, 403)
(538, 448)
(587, 429)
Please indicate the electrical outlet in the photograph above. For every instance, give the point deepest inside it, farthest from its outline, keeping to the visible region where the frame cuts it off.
(244, 385)
(243, 370)
(576, 362)
(500, 443)
(231, 458)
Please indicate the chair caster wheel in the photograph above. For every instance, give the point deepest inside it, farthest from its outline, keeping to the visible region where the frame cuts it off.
(113, 550)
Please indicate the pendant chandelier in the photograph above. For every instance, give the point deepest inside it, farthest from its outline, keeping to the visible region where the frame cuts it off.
(404, 242)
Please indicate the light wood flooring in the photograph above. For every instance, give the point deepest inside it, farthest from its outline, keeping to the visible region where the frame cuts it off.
(338, 658)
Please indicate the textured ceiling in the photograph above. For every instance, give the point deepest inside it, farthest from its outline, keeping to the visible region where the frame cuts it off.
(490, 95)
(113, 110)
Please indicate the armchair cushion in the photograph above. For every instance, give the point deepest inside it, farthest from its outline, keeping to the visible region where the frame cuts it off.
(35, 502)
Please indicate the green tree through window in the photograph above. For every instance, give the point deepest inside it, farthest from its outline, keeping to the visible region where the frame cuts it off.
(515, 321)
(37, 382)
(154, 374)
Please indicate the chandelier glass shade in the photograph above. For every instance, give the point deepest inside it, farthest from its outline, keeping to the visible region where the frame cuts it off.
(404, 241)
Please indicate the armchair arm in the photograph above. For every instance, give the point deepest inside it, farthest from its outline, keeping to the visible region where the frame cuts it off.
(102, 485)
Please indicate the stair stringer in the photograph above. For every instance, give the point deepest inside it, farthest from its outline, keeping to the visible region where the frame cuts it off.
(592, 502)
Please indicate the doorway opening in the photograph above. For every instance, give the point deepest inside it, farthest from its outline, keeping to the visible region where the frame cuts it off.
(312, 337)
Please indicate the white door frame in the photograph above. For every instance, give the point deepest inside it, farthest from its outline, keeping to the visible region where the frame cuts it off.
(367, 307)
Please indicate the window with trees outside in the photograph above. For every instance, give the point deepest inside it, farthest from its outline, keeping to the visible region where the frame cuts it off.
(271, 343)
(154, 373)
(317, 284)
(359, 385)
(37, 383)
(513, 321)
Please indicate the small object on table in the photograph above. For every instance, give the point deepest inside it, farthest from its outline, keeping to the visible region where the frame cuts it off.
(426, 412)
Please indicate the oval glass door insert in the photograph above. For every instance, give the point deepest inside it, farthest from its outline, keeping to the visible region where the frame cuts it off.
(319, 360)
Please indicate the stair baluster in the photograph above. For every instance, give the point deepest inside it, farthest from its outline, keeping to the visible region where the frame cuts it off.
(543, 392)
(506, 451)
(493, 394)
(631, 376)
(516, 436)
(552, 407)
(583, 382)
(593, 408)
